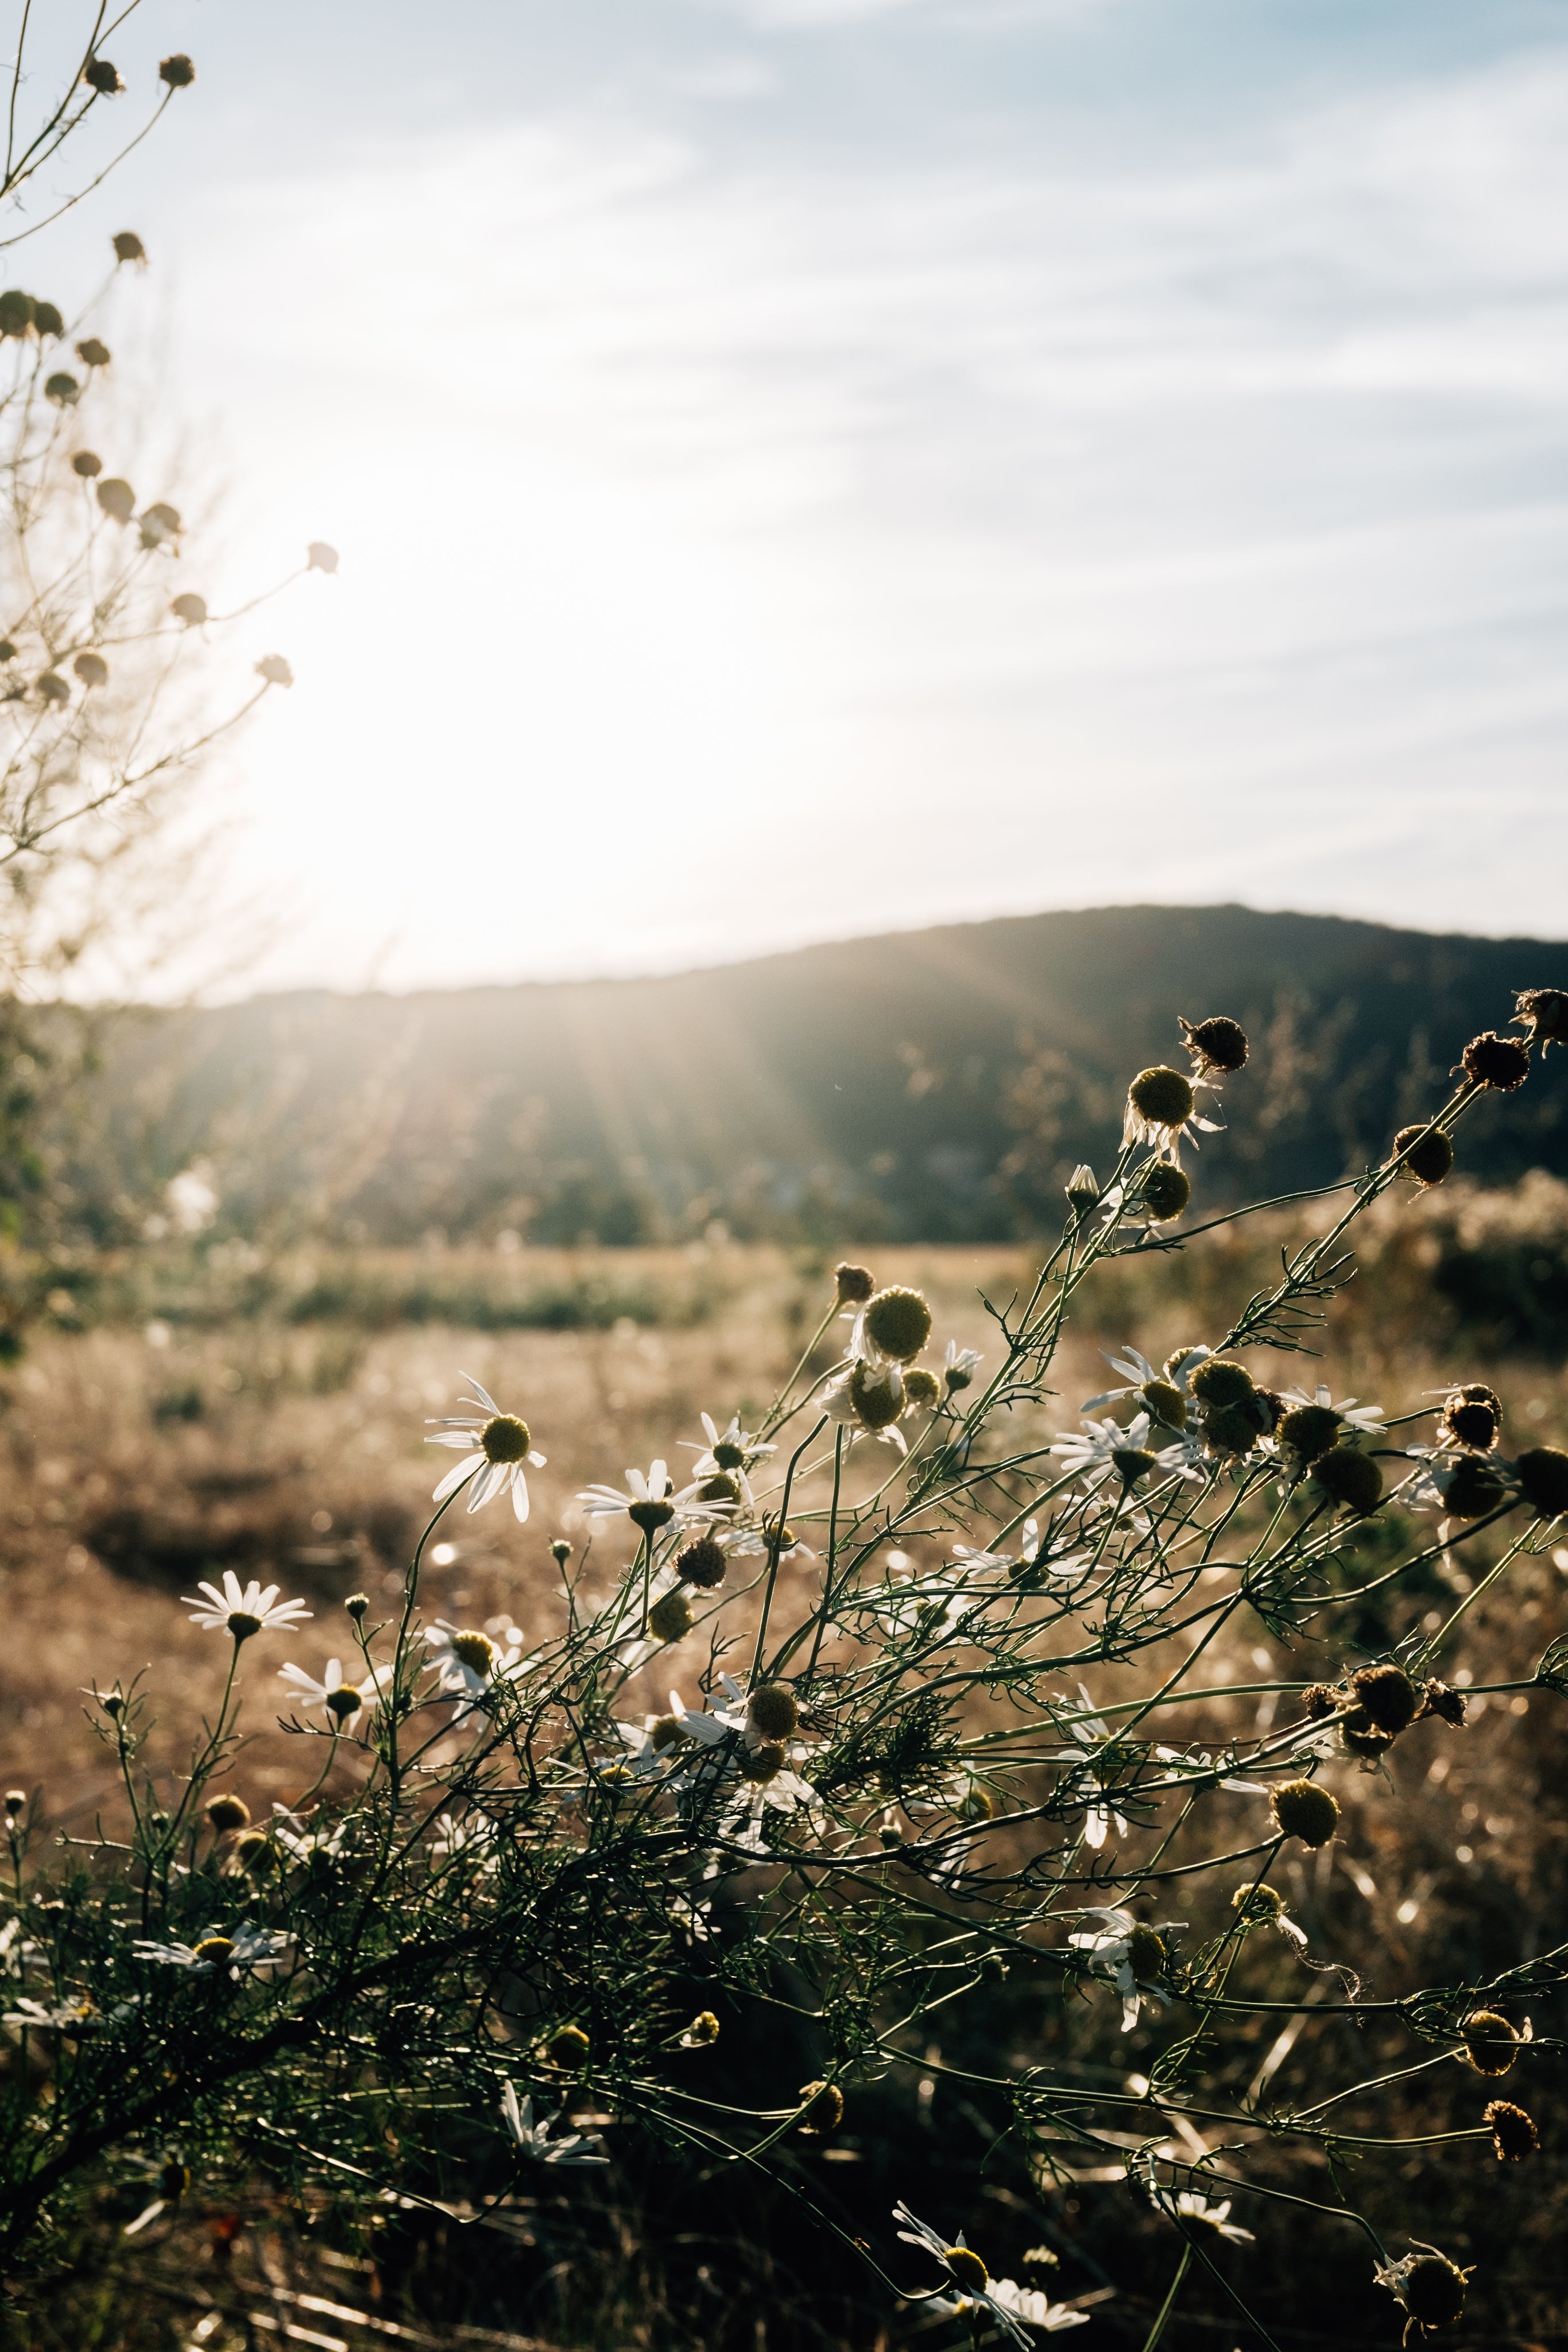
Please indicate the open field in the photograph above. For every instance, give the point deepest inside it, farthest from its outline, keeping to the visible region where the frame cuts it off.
(195, 1429)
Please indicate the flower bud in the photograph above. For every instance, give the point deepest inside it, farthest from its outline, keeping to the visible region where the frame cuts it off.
(15, 1803)
(560, 1551)
(1082, 1191)
(227, 1812)
(320, 557)
(356, 1605)
(1491, 2042)
(275, 669)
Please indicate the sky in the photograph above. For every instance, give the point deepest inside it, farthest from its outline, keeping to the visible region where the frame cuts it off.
(809, 467)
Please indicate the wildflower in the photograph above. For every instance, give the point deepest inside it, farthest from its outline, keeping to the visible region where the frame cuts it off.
(18, 313)
(102, 79)
(248, 1949)
(1513, 2135)
(1431, 2288)
(117, 498)
(1426, 1152)
(63, 390)
(967, 2273)
(1217, 1045)
(1544, 1013)
(1087, 1739)
(644, 1500)
(226, 1812)
(190, 610)
(46, 320)
(730, 1453)
(358, 1604)
(309, 1847)
(959, 1366)
(273, 670)
(160, 524)
(1163, 1192)
(1441, 1698)
(1264, 1906)
(242, 1613)
(501, 1449)
(1491, 2042)
(1128, 1953)
(1471, 1417)
(670, 1617)
(893, 1326)
(702, 2032)
(52, 687)
(468, 1662)
(1350, 1478)
(534, 2139)
(15, 1803)
(85, 464)
(1466, 1486)
(176, 72)
(1164, 1399)
(1542, 1475)
(339, 1699)
(854, 1284)
(127, 246)
(1083, 1189)
(471, 1840)
(1200, 2213)
(1106, 1448)
(91, 668)
(869, 1399)
(1368, 1420)
(922, 1388)
(1302, 1810)
(1162, 1109)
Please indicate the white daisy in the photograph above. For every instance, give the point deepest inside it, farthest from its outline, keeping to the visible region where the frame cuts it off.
(868, 1397)
(339, 1699)
(1162, 1112)
(244, 1612)
(1368, 1418)
(498, 1449)
(1104, 1447)
(1036, 2310)
(976, 2290)
(1201, 2212)
(304, 1845)
(959, 1366)
(248, 1949)
(646, 1500)
(534, 2139)
(470, 1841)
(1127, 1954)
(1085, 1738)
(468, 1662)
(1139, 1374)
(730, 1453)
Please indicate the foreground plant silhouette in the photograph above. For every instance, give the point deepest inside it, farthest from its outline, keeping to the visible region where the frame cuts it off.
(508, 1897)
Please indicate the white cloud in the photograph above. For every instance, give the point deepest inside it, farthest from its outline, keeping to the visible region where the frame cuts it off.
(736, 553)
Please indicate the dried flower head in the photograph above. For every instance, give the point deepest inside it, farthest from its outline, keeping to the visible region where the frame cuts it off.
(1302, 1810)
(1513, 2135)
(1470, 1488)
(227, 1812)
(1218, 1045)
(1350, 1478)
(176, 72)
(1320, 1702)
(117, 498)
(923, 1389)
(92, 354)
(822, 2110)
(1544, 1013)
(127, 246)
(46, 319)
(1441, 1698)
(1363, 1738)
(91, 668)
(1500, 1064)
(1431, 2288)
(702, 1563)
(1471, 1416)
(101, 77)
(1428, 1153)
(63, 390)
(1165, 1192)
(87, 462)
(854, 1284)
(1491, 2042)
(189, 609)
(17, 313)
(1543, 1476)
(1387, 1695)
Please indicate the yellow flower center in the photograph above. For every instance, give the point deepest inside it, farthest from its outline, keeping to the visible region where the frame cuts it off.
(214, 1947)
(666, 1733)
(475, 1651)
(504, 1439)
(344, 1702)
(967, 2267)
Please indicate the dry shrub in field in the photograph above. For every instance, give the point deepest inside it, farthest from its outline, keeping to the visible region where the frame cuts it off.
(518, 1942)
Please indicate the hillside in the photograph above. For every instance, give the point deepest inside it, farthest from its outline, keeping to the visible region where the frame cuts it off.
(935, 1085)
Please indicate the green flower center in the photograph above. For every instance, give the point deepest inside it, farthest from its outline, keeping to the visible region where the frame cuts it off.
(504, 1439)
(477, 1652)
(666, 1733)
(898, 1322)
(1133, 1463)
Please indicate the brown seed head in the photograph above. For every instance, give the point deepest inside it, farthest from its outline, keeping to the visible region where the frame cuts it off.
(1491, 2044)
(177, 71)
(1544, 1011)
(1441, 1698)
(87, 462)
(1302, 1810)
(1500, 1064)
(1426, 1152)
(823, 2104)
(1389, 1697)
(854, 1284)
(101, 77)
(1513, 2135)
(703, 1564)
(1216, 1043)
(1350, 1478)
(127, 246)
(1544, 1474)
(1470, 1488)
(1220, 1381)
(1434, 2291)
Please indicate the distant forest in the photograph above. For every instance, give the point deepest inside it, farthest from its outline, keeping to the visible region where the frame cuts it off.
(937, 1085)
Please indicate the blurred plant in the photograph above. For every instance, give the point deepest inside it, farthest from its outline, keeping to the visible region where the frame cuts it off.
(522, 1904)
(107, 703)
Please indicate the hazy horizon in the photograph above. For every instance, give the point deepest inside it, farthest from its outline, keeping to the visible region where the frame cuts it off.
(806, 468)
